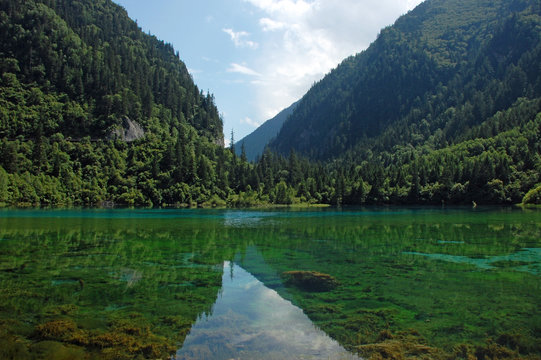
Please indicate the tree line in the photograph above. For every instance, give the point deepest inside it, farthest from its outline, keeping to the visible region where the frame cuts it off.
(185, 169)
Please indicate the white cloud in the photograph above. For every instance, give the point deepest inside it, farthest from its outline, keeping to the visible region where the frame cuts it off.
(271, 25)
(305, 39)
(294, 8)
(238, 38)
(242, 69)
(250, 122)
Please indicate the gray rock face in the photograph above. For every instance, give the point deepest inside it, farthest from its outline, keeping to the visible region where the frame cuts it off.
(130, 131)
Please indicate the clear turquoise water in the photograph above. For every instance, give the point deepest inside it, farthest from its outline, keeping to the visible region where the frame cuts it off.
(183, 283)
(251, 321)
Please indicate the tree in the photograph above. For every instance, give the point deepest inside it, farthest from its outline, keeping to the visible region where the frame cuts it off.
(533, 196)
(282, 195)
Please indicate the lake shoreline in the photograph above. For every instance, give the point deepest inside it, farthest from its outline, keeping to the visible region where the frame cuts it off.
(269, 206)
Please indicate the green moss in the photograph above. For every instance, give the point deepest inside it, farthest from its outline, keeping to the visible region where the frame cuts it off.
(54, 350)
(13, 348)
(147, 278)
(125, 339)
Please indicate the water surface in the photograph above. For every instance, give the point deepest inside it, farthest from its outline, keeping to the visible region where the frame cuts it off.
(251, 321)
(122, 284)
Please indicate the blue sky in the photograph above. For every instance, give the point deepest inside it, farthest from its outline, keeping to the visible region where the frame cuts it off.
(259, 56)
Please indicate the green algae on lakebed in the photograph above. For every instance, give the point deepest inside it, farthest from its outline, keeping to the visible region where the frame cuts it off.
(420, 283)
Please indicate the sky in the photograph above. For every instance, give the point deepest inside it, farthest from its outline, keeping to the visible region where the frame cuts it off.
(259, 56)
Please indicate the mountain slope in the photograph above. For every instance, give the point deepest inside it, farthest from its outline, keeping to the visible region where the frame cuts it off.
(88, 66)
(255, 143)
(93, 110)
(439, 70)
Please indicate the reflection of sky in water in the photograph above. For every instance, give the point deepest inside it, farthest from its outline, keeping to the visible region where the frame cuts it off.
(251, 321)
(531, 256)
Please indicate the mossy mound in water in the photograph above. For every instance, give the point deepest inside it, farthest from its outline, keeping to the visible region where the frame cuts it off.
(406, 345)
(310, 280)
(401, 346)
(123, 340)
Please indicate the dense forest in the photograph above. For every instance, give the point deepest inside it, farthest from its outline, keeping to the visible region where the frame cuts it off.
(429, 104)
(94, 111)
(446, 66)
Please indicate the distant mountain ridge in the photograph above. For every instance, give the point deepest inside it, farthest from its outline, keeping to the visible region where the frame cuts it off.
(445, 67)
(255, 143)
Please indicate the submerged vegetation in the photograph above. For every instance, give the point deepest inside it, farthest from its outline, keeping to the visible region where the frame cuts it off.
(384, 284)
(393, 302)
(98, 293)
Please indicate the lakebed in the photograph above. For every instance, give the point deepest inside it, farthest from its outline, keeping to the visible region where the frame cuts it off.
(186, 284)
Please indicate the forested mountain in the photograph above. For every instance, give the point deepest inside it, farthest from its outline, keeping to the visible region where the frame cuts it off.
(76, 74)
(255, 143)
(442, 69)
(444, 107)
(82, 66)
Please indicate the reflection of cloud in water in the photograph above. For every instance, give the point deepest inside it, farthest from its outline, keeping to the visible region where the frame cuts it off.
(250, 285)
(251, 321)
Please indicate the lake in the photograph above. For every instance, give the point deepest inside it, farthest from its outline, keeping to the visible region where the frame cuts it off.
(425, 283)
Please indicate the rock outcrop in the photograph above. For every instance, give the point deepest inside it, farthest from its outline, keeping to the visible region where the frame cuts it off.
(130, 131)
